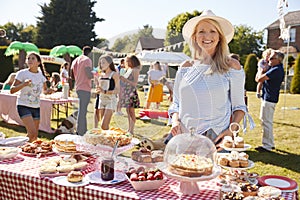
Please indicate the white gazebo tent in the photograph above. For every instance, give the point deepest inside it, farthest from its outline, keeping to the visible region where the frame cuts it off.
(174, 58)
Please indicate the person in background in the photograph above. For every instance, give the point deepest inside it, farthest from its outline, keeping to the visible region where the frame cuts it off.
(129, 97)
(271, 80)
(31, 82)
(106, 99)
(121, 70)
(64, 72)
(169, 85)
(208, 95)
(262, 67)
(155, 93)
(55, 82)
(121, 66)
(8, 83)
(82, 70)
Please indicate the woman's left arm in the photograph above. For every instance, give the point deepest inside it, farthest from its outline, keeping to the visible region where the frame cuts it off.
(236, 77)
(135, 73)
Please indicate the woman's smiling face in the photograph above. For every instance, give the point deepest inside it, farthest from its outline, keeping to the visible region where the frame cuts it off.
(207, 36)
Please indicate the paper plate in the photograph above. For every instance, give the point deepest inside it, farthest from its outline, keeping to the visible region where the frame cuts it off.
(95, 177)
(62, 180)
(281, 182)
(13, 141)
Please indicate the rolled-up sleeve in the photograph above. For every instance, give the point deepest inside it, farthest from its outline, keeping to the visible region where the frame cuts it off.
(237, 83)
(237, 87)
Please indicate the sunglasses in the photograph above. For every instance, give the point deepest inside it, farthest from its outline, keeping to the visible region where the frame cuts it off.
(273, 58)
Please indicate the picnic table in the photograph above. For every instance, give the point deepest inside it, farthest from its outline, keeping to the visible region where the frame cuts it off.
(20, 179)
(8, 110)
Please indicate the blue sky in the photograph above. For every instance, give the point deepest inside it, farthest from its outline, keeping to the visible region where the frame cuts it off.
(126, 15)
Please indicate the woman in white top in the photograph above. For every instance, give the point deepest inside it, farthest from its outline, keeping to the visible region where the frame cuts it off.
(155, 93)
(209, 95)
(31, 82)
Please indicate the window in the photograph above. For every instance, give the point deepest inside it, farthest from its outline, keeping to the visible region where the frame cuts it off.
(292, 35)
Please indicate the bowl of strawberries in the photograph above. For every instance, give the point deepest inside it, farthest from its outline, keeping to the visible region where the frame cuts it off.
(145, 179)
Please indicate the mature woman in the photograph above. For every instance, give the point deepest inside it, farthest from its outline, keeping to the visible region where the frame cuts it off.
(31, 82)
(107, 88)
(209, 95)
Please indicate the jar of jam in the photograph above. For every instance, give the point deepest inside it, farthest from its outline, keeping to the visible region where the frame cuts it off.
(107, 169)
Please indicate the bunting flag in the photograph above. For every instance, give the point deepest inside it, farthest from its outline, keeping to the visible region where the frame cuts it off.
(284, 31)
(119, 54)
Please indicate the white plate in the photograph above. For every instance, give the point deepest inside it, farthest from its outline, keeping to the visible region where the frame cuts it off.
(14, 141)
(95, 177)
(54, 149)
(251, 165)
(104, 149)
(8, 152)
(246, 147)
(62, 180)
(67, 137)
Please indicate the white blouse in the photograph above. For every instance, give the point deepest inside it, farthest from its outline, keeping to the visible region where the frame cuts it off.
(206, 101)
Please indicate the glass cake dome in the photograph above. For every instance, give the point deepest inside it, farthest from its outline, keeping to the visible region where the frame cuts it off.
(190, 155)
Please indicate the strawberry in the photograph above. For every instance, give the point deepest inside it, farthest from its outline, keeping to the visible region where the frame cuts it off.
(141, 178)
(134, 177)
(150, 176)
(158, 175)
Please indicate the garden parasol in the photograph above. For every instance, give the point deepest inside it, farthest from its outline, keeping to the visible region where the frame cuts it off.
(21, 48)
(16, 46)
(61, 50)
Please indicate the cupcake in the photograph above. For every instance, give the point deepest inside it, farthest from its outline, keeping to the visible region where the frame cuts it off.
(222, 160)
(228, 142)
(248, 189)
(239, 142)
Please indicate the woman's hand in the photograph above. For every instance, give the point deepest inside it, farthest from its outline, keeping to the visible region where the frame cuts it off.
(122, 78)
(176, 129)
(187, 63)
(99, 90)
(219, 140)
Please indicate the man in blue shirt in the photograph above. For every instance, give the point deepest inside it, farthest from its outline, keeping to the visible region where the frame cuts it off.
(271, 80)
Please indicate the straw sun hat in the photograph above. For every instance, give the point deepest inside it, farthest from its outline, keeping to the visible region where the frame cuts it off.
(190, 25)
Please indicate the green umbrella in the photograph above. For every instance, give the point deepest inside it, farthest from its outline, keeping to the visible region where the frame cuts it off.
(61, 50)
(16, 46)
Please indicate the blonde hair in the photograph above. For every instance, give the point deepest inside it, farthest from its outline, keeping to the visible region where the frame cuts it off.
(220, 60)
(266, 53)
(11, 78)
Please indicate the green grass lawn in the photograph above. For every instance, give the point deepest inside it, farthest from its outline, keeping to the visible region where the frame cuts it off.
(285, 160)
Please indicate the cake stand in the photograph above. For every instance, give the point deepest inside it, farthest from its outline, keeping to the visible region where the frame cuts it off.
(188, 185)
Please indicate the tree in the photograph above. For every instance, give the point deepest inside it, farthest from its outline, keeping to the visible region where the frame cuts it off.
(295, 85)
(69, 22)
(246, 41)
(175, 25)
(19, 32)
(128, 43)
(250, 72)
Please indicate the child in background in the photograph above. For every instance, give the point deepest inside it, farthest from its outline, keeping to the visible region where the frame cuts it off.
(262, 65)
(10, 80)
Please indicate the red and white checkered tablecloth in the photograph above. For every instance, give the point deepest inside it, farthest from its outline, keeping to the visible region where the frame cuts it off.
(19, 179)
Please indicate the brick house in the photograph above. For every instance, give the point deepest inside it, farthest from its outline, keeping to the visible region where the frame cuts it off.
(292, 19)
